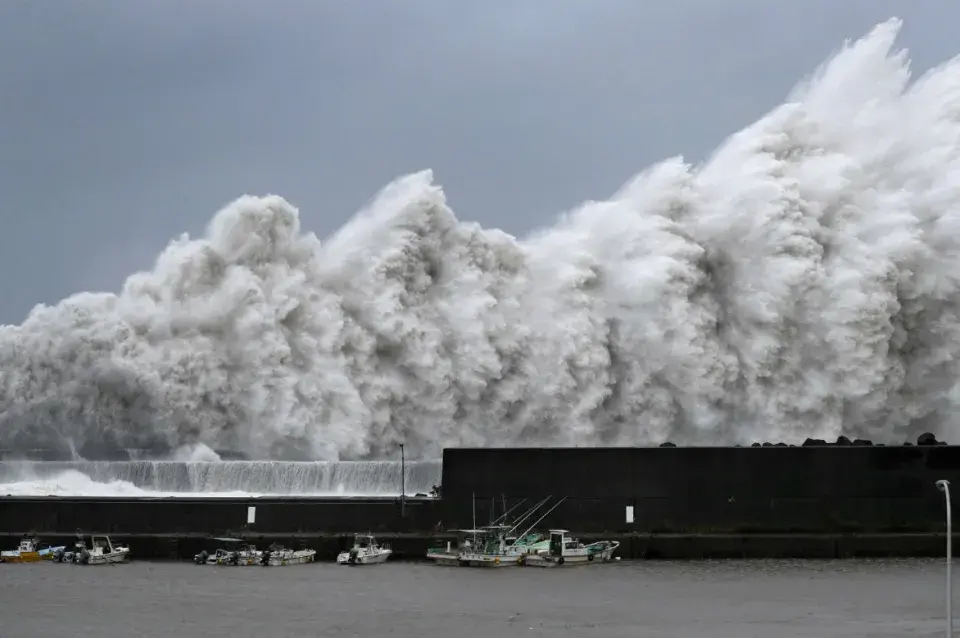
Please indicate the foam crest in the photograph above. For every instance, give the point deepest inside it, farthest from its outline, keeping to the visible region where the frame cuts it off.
(217, 478)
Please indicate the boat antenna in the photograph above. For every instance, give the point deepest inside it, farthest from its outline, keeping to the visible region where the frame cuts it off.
(529, 513)
(544, 516)
(507, 511)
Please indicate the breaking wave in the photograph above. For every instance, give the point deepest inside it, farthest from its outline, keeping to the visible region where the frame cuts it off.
(802, 282)
(223, 478)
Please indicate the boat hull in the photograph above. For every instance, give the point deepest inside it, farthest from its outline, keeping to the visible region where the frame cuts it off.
(242, 561)
(21, 557)
(488, 561)
(88, 558)
(364, 559)
(585, 558)
(111, 558)
(296, 558)
(444, 558)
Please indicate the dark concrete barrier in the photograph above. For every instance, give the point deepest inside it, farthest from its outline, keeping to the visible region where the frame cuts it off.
(708, 490)
(214, 516)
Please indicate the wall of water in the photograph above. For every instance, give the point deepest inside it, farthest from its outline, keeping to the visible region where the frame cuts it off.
(103, 478)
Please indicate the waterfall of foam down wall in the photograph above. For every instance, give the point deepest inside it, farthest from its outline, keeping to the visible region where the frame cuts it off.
(347, 478)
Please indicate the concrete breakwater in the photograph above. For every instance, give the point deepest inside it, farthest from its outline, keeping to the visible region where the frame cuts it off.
(660, 502)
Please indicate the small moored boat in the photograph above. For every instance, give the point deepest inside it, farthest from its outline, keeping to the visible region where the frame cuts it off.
(277, 556)
(102, 551)
(489, 547)
(29, 551)
(449, 555)
(564, 550)
(230, 551)
(365, 551)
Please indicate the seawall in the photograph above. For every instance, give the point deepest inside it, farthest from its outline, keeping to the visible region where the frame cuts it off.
(667, 502)
(753, 490)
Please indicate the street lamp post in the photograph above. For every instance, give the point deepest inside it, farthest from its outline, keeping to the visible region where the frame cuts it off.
(944, 486)
(403, 484)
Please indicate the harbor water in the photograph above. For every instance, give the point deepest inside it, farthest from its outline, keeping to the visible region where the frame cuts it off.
(713, 599)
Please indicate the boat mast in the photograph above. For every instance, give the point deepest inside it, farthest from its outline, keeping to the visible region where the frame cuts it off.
(507, 512)
(528, 515)
(544, 516)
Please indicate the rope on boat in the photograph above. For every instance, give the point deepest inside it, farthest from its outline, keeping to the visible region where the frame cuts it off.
(544, 516)
(507, 513)
(528, 515)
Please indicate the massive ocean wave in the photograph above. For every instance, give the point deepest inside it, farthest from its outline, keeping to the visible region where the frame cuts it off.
(802, 282)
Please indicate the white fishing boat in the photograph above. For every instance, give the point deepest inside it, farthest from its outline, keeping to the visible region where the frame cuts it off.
(102, 551)
(449, 554)
(365, 551)
(278, 556)
(565, 550)
(488, 548)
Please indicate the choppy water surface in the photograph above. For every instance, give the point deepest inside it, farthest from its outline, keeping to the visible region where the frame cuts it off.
(716, 599)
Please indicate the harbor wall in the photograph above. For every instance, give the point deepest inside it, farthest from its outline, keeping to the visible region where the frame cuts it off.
(817, 489)
(818, 501)
(181, 527)
(216, 516)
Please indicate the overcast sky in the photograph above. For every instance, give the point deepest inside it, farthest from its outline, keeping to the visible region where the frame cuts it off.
(124, 123)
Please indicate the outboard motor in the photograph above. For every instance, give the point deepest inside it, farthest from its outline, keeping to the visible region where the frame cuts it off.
(201, 558)
(353, 556)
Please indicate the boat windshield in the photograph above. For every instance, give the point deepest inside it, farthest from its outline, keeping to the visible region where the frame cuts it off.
(363, 542)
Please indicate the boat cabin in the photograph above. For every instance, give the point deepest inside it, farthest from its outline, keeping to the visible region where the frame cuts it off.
(489, 540)
(364, 541)
(28, 544)
(101, 544)
(560, 542)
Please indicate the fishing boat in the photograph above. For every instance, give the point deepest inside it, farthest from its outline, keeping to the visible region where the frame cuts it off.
(29, 551)
(244, 556)
(230, 551)
(277, 556)
(494, 545)
(488, 549)
(449, 555)
(102, 551)
(565, 550)
(365, 551)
